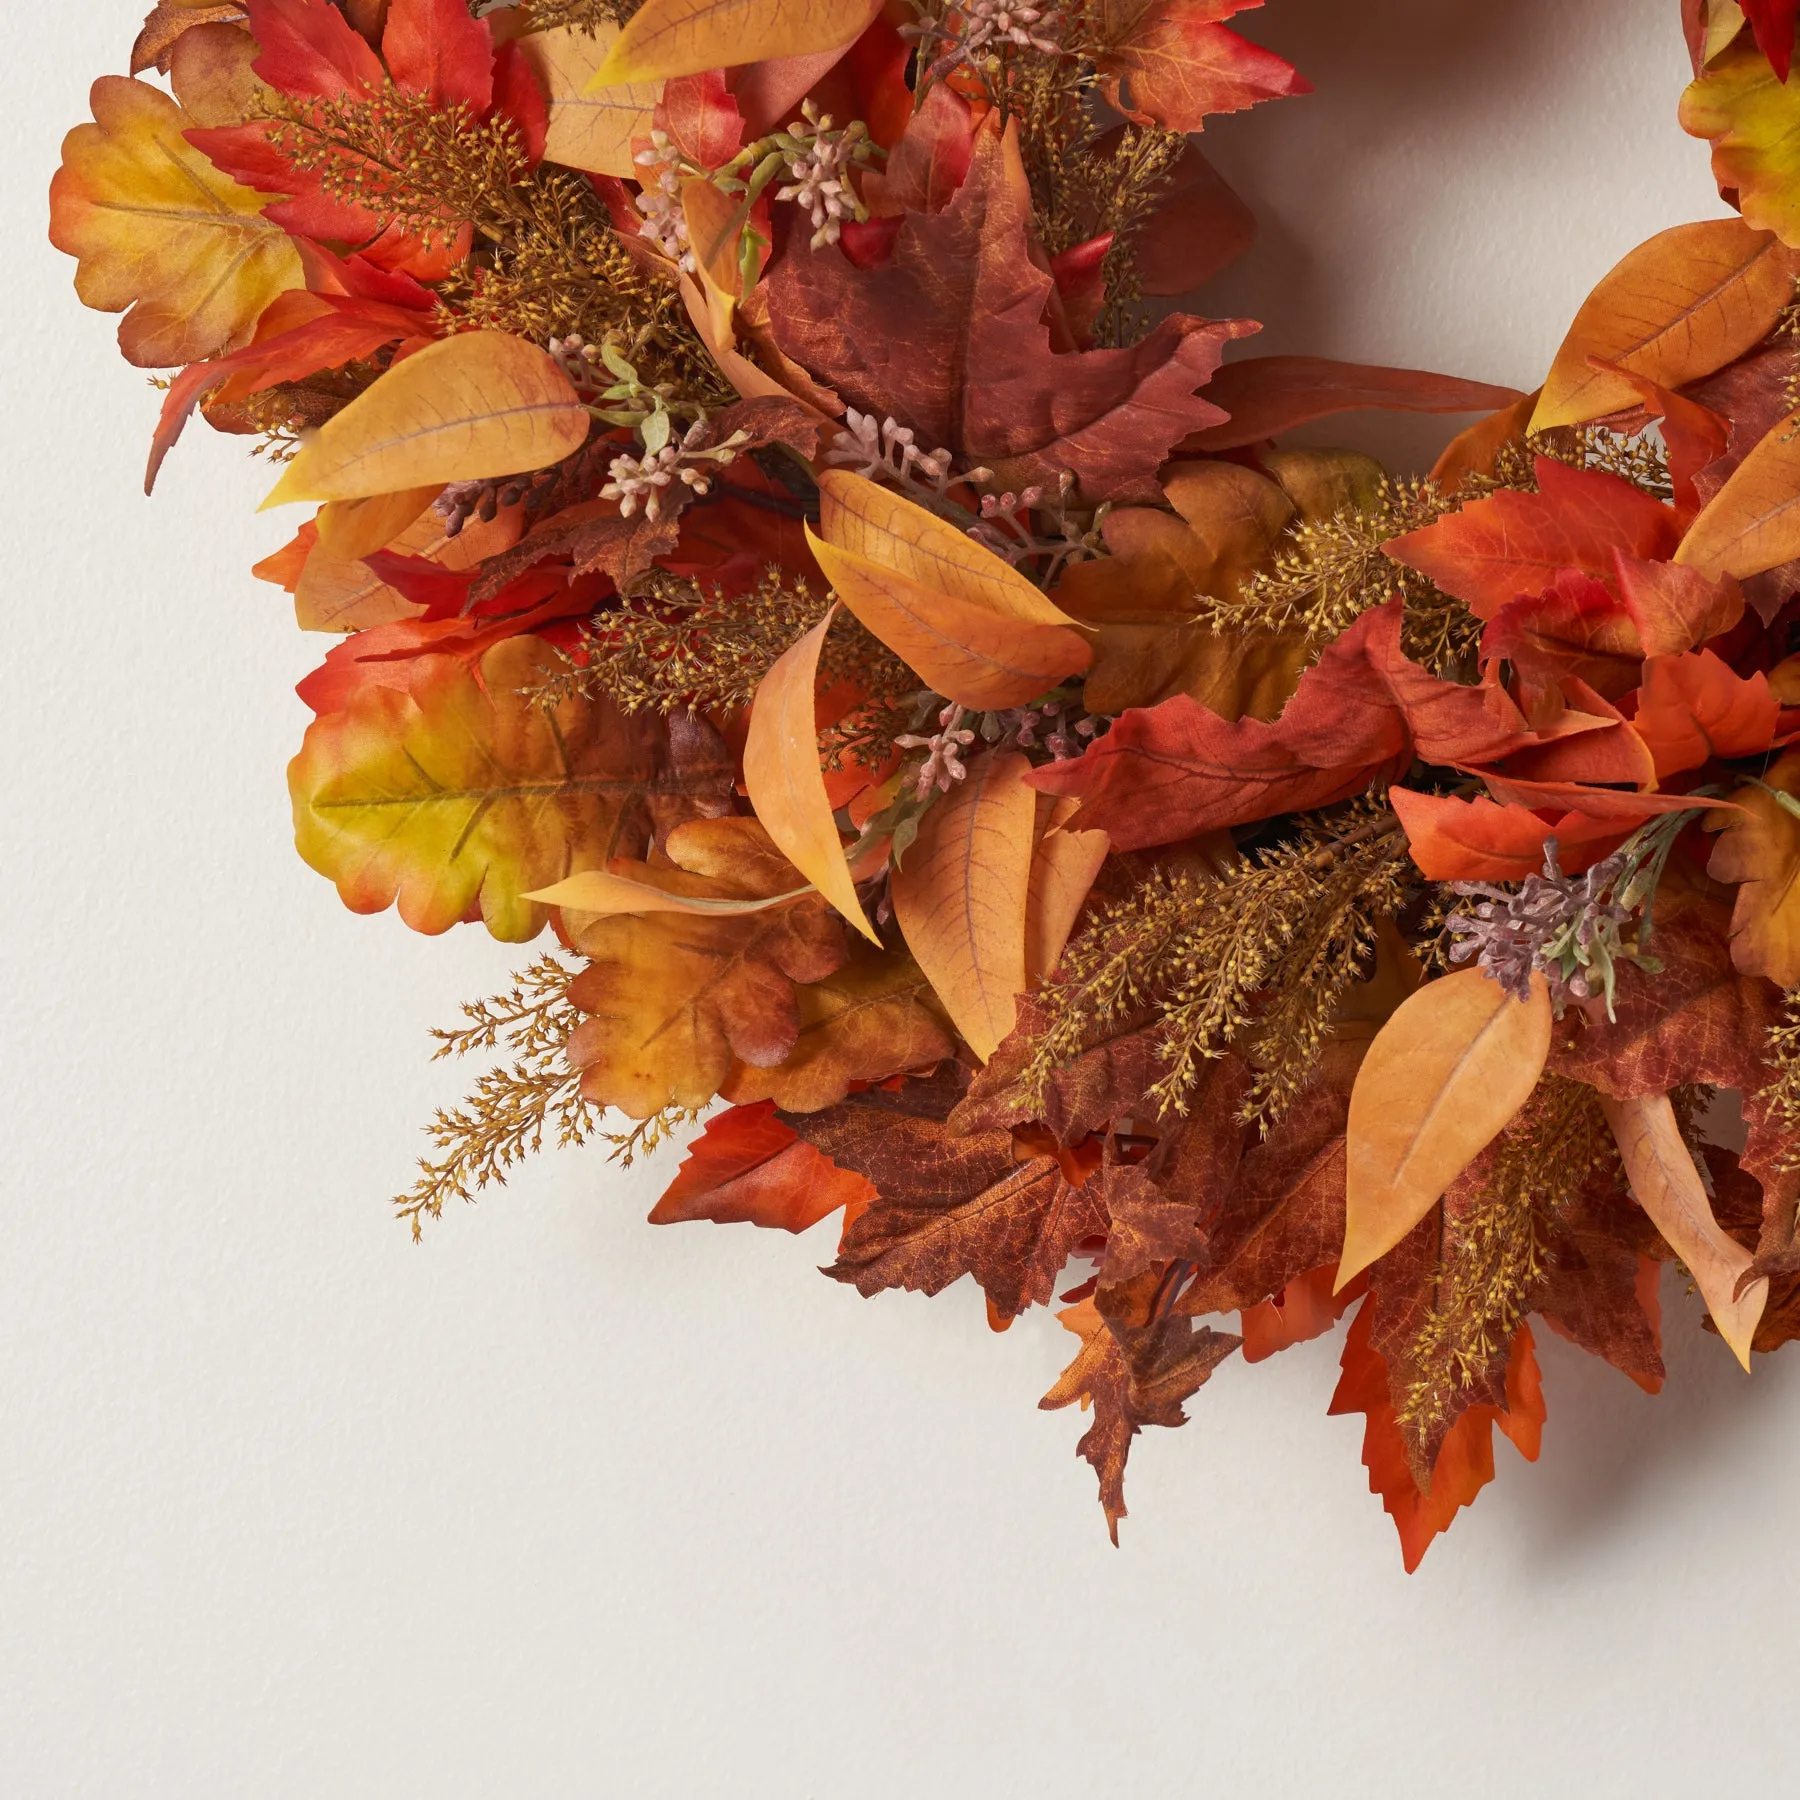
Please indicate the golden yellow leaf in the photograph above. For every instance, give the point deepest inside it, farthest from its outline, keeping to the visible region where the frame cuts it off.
(590, 128)
(1759, 849)
(961, 648)
(885, 528)
(1753, 120)
(479, 404)
(1439, 1083)
(607, 893)
(1679, 307)
(157, 229)
(353, 529)
(664, 38)
(785, 782)
(1753, 522)
(1668, 1187)
(960, 896)
(1063, 868)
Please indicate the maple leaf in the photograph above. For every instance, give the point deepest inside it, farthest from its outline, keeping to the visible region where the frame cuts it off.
(159, 234)
(948, 339)
(678, 998)
(457, 793)
(951, 1203)
(1131, 1380)
(748, 1167)
(1490, 552)
(1171, 63)
(1692, 708)
(1465, 1463)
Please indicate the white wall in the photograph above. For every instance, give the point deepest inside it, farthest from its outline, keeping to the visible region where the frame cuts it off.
(563, 1505)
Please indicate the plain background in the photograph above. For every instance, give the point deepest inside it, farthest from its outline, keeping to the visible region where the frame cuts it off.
(560, 1504)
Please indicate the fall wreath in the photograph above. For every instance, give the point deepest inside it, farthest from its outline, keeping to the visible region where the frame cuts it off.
(782, 540)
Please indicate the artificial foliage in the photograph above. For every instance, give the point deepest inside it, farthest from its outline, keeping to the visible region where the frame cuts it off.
(788, 543)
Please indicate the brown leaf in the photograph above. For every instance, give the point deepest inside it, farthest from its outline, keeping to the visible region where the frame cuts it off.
(1759, 850)
(1142, 1379)
(965, 297)
(1149, 1226)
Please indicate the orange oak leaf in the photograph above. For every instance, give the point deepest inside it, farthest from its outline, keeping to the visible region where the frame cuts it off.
(1750, 114)
(979, 376)
(1131, 1380)
(1677, 308)
(479, 404)
(960, 896)
(1576, 627)
(1491, 551)
(1759, 850)
(457, 795)
(1268, 395)
(748, 1168)
(677, 999)
(1676, 608)
(785, 783)
(159, 234)
(1441, 1080)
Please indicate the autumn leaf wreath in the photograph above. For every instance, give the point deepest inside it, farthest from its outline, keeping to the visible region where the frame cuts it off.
(779, 537)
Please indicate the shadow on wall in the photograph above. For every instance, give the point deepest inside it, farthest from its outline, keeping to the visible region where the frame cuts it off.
(1612, 1453)
(1459, 179)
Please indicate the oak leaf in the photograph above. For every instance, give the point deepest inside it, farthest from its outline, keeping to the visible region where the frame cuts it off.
(479, 404)
(457, 794)
(1441, 1080)
(1759, 850)
(1678, 308)
(1751, 116)
(1131, 1380)
(160, 234)
(1692, 708)
(960, 896)
(978, 376)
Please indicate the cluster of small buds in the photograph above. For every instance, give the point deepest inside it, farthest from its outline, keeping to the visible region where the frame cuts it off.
(462, 501)
(1006, 528)
(578, 359)
(819, 160)
(943, 766)
(1564, 927)
(983, 28)
(885, 451)
(1057, 724)
(659, 200)
(642, 480)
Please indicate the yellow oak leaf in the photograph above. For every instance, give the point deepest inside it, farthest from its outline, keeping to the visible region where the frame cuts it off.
(1753, 120)
(1438, 1084)
(960, 896)
(460, 795)
(160, 235)
(480, 404)
(1679, 307)
(1759, 849)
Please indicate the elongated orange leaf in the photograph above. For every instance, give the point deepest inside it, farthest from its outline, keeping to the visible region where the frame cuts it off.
(665, 38)
(1668, 1187)
(1063, 868)
(785, 783)
(963, 649)
(1753, 522)
(874, 522)
(157, 229)
(960, 896)
(1439, 1083)
(480, 404)
(608, 894)
(589, 129)
(1681, 306)
(353, 529)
